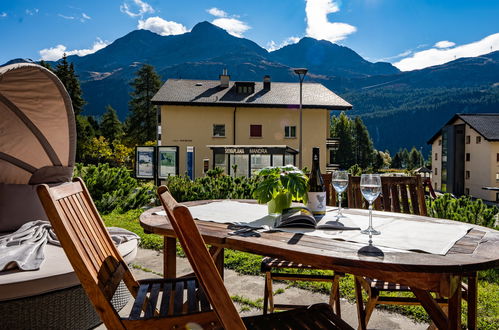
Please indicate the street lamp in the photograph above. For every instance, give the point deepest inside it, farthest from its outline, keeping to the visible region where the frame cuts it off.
(301, 72)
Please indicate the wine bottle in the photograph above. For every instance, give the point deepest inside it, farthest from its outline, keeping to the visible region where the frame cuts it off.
(317, 191)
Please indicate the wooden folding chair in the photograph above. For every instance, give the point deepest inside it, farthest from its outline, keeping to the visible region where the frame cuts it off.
(317, 316)
(159, 303)
(401, 195)
(273, 270)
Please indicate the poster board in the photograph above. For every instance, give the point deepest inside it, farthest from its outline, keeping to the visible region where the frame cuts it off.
(144, 162)
(167, 161)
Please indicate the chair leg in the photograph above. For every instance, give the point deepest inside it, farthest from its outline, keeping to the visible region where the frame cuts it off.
(334, 298)
(471, 294)
(360, 304)
(268, 295)
(373, 296)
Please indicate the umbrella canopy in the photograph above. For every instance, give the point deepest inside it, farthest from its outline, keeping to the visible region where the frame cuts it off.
(37, 126)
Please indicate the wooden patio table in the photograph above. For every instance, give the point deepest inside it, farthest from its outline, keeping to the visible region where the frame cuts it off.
(422, 272)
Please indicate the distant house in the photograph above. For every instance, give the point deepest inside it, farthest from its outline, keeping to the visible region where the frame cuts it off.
(221, 123)
(465, 156)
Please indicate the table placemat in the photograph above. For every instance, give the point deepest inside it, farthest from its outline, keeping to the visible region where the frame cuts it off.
(398, 231)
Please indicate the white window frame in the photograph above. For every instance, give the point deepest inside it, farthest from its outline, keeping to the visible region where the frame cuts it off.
(288, 130)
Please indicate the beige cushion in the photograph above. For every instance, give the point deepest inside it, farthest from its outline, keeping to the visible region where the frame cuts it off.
(19, 203)
(55, 273)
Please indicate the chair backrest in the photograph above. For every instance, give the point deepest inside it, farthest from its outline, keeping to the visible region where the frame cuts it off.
(330, 192)
(88, 246)
(398, 194)
(200, 259)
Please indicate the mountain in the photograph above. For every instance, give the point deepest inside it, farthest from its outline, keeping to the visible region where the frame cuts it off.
(406, 109)
(202, 54)
(329, 59)
(400, 109)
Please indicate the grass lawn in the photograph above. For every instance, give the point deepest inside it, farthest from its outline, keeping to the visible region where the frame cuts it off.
(245, 263)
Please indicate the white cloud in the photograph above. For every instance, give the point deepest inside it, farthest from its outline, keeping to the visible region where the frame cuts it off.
(66, 17)
(444, 44)
(318, 25)
(84, 17)
(55, 53)
(232, 25)
(142, 7)
(160, 26)
(2, 15)
(216, 12)
(403, 54)
(272, 45)
(436, 56)
(32, 12)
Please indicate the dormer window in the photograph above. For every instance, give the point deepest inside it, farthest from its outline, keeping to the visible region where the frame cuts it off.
(243, 87)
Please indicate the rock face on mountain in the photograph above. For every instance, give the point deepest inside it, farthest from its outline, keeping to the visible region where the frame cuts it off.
(382, 95)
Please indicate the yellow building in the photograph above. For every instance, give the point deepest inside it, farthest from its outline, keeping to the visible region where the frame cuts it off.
(219, 123)
(465, 156)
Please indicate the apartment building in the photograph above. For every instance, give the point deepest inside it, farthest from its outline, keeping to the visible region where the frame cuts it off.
(222, 123)
(465, 156)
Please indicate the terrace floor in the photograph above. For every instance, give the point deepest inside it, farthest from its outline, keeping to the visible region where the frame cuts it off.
(251, 287)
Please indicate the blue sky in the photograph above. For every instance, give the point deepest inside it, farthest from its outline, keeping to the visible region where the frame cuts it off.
(411, 34)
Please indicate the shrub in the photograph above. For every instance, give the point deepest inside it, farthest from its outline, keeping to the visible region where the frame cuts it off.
(213, 186)
(463, 209)
(113, 188)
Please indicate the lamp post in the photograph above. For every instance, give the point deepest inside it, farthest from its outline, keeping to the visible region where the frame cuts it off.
(301, 72)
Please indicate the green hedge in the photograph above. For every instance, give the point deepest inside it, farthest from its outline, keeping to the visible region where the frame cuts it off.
(213, 186)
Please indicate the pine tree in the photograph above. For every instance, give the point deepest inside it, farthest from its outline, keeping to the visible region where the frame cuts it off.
(404, 156)
(415, 159)
(341, 129)
(378, 160)
(68, 77)
(396, 161)
(111, 127)
(142, 122)
(84, 132)
(46, 65)
(363, 145)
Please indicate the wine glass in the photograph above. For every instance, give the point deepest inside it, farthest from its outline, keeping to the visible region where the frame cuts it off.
(340, 182)
(370, 186)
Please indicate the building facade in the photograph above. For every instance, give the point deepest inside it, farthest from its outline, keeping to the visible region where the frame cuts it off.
(465, 156)
(220, 123)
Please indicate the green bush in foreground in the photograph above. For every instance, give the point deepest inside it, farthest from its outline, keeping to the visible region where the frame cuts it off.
(113, 188)
(214, 185)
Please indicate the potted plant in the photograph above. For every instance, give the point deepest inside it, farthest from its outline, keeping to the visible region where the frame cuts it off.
(279, 186)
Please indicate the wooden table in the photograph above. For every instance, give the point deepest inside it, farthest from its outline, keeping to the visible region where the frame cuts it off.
(423, 272)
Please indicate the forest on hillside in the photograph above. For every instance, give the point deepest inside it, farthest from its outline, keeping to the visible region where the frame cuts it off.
(392, 114)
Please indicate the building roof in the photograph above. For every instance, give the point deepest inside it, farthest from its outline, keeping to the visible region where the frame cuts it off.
(486, 124)
(209, 92)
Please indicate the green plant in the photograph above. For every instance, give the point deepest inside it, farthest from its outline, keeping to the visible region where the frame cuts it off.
(215, 185)
(113, 188)
(283, 180)
(355, 170)
(462, 209)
